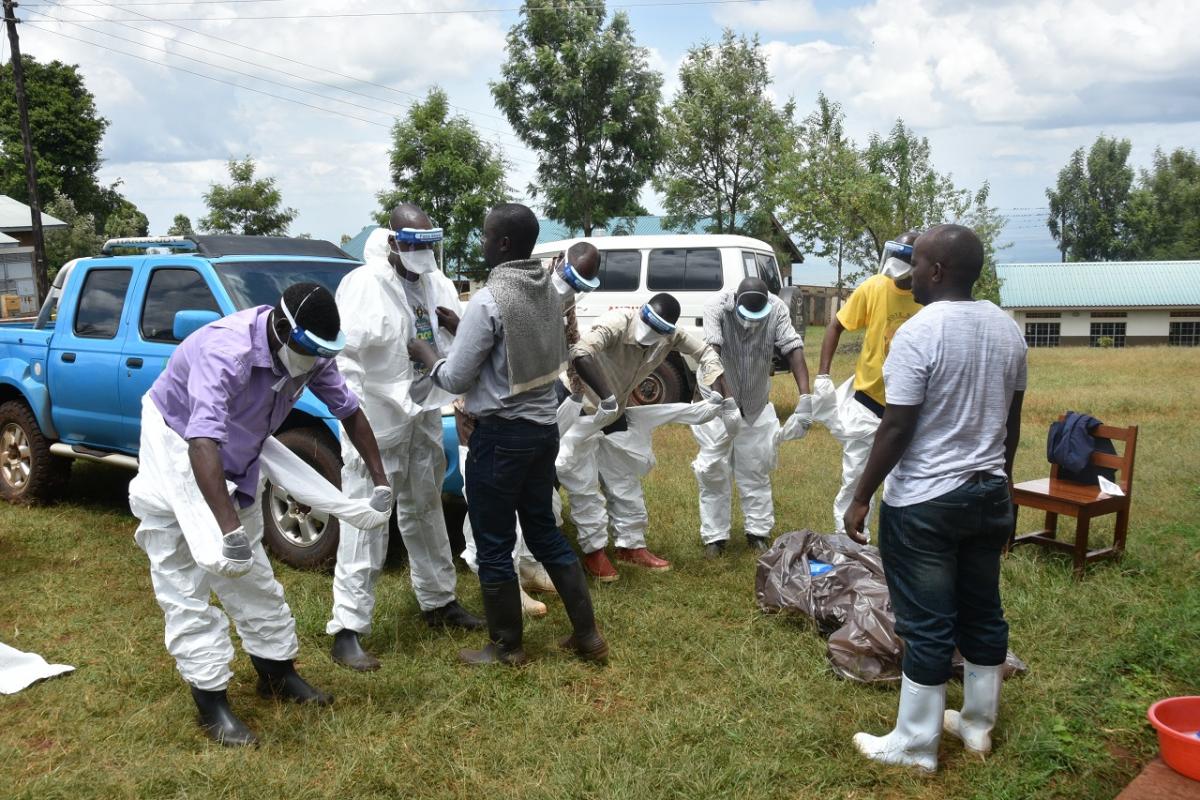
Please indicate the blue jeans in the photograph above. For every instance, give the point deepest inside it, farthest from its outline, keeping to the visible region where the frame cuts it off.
(510, 475)
(941, 559)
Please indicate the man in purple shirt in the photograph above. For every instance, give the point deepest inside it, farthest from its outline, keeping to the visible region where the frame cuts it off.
(226, 388)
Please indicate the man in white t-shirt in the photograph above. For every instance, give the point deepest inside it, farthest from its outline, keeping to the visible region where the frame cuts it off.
(955, 380)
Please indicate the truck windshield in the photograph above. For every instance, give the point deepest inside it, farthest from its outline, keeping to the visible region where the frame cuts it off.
(261, 283)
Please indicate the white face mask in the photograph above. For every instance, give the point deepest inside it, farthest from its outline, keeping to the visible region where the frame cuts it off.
(645, 335)
(295, 363)
(896, 269)
(749, 324)
(418, 262)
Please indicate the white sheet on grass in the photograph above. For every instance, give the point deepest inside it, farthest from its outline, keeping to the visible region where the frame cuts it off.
(18, 669)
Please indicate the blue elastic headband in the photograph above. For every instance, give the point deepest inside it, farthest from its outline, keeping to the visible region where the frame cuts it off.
(311, 343)
(655, 321)
(904, 252)
(418, 235)
(577, 281)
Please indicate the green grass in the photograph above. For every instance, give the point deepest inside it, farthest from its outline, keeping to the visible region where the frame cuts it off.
(705, 696)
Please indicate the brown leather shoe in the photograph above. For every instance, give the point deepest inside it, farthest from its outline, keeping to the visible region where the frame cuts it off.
(641, 557)
(599, 567)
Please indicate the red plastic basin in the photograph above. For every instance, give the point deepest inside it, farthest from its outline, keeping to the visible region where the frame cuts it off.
(1177, 719)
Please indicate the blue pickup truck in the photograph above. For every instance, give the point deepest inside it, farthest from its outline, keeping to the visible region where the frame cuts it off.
(71, 382)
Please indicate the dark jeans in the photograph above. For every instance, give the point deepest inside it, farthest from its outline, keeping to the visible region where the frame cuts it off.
(941, 559)
(510, 474)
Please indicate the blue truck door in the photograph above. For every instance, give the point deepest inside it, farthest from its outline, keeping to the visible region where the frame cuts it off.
(85, 356)
(149, 337)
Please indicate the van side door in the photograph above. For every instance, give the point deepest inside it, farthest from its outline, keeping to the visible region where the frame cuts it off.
(85, 354)
(149, 338)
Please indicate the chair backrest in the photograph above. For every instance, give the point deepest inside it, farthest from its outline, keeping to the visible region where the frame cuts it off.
(1122, 462)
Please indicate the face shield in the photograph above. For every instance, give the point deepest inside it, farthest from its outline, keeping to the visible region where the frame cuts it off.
(896, 261)
(577, 282)
(308, 341)
(421, 259)
(652, 327)
(752, 318)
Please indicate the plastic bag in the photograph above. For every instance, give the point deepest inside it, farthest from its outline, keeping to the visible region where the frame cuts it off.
(839, 584)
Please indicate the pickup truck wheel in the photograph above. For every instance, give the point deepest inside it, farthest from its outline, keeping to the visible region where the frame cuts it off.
(664, 385)
(292, 535)
(28, 473)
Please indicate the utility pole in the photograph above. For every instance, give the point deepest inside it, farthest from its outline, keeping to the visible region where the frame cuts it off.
(41, 278)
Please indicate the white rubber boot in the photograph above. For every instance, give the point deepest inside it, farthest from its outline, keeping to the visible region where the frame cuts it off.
(534, 578)
(914, 740)
(981, 703)
(531, 607)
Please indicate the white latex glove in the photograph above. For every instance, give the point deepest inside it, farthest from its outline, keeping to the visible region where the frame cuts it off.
(711, 408)
(732, 419)
(568, 414)
(607, 413)
(235, 547)
(381, 499)
(800, 421)
(823, 385)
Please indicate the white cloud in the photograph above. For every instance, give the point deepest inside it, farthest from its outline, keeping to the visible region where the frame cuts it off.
(776, 16)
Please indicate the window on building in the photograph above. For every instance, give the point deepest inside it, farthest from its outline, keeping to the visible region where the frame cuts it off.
(172, 291)
(620, 270)
(1194, 314)
(1184, 334)
(1042, 334)
(1042, 315)
(1108, 315)
(1107, 334)
(101, 302)
(679, 270)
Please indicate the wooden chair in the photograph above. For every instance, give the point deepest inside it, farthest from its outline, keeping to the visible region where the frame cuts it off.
(1083, 502)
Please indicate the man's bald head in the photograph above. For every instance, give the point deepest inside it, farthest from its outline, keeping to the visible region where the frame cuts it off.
(908, 237)
(947, 260)
(409, 215)
(585, 259)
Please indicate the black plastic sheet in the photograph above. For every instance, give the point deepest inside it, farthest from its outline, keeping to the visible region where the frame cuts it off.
(839, 584)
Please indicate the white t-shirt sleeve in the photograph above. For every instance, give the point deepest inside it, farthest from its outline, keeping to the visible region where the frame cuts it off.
(907, 368)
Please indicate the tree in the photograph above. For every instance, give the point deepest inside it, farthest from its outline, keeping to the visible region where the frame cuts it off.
(1162, 218)
(246, 206)
(584, 98)
(181, 226)
(66, 133)
(723, 139)
(1089, 203)
(440, 163)
(78, 240)
(823, 185)
(123, 217)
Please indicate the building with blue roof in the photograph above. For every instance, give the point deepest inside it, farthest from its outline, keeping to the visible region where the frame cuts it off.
(1108, 303)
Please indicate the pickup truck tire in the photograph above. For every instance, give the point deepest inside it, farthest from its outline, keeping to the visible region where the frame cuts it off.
(290, 535)
(29, 475)
(664, 385)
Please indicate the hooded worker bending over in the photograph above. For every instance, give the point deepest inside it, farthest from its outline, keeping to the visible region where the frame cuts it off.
(623, 348)
(400, 292)
(206, 424)
(745, 327)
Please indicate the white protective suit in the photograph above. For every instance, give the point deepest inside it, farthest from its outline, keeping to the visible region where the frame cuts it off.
(854, 427)
(180, 535)
(749, 457)
(603, 474)
(378, 324)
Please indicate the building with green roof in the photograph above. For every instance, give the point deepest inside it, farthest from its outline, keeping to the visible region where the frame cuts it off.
(1104, 304)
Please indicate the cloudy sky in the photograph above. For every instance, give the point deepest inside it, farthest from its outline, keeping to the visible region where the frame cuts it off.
(1004, 90)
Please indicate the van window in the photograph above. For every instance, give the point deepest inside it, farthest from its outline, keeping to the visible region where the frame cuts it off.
(620, 270)
(769, 272)
(101, 302)
(679, 270)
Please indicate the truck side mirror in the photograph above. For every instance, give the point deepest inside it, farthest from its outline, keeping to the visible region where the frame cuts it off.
(189, 321)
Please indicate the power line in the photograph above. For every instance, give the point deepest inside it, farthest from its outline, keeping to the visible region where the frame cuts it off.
(121, 6)
(439, 12)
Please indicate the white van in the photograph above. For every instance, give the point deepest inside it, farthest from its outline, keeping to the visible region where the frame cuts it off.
(692, 268)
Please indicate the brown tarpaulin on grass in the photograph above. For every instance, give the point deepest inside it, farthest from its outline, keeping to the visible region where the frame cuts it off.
(849, 602)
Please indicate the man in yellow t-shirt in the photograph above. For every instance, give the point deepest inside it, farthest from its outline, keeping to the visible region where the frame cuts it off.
(880, 305)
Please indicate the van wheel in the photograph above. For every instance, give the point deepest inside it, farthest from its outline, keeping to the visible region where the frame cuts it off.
(292, 535)
(664, 385)
(29, 475)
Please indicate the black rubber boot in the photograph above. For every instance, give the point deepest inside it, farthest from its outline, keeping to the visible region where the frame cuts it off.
(279, 680)
(502, 607)
(571, 582)
(452, 615)
(348, 652)
(218, 721)
(758, 544)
